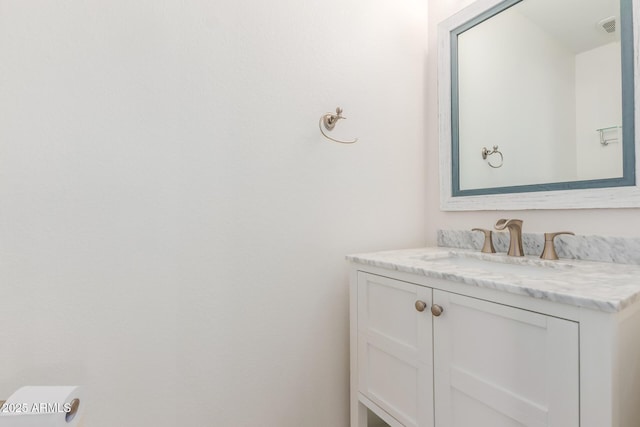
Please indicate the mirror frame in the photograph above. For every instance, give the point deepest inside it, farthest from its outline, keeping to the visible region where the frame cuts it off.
(569, 195)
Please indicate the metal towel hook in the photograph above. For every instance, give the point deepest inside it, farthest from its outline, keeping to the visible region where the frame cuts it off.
(329, 121)
(486, 153)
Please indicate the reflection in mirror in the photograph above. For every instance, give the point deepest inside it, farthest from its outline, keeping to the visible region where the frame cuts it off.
(545, 81)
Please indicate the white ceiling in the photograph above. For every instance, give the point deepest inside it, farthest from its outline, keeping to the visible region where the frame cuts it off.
(573, 22)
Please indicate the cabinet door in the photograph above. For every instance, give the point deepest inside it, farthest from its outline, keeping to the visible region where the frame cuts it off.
(498, 366)
(395, 360)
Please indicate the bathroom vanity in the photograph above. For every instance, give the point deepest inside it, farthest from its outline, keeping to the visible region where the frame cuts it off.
(445, 337)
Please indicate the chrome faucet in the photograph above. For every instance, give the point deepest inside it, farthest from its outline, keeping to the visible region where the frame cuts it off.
(515, 235)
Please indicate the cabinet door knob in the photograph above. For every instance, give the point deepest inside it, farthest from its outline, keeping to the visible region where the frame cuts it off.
(436, 310)
(421, 305)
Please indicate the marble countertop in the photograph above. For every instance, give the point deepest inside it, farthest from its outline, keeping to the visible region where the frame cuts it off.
(601, 286)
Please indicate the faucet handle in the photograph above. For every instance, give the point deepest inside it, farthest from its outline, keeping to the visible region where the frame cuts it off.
(503, 223)
(549, 251)
(487, 247)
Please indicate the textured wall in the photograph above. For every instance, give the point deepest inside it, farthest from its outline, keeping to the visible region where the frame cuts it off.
(173, 226)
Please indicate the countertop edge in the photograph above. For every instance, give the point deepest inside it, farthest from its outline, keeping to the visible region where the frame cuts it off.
(393, 261)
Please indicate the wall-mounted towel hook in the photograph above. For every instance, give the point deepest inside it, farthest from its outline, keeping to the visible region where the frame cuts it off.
(486, 153)
(329, 121)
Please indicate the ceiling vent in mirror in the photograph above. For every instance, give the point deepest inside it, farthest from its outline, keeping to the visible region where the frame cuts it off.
(608, 24)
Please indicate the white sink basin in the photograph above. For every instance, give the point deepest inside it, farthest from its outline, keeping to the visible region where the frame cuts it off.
(501, 264)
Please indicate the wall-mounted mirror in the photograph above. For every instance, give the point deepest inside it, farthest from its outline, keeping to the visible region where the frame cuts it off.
(537, 105)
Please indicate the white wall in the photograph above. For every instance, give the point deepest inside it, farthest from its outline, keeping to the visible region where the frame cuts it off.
(173, 226)
(598, 105)
(614, 222)
(517, 93)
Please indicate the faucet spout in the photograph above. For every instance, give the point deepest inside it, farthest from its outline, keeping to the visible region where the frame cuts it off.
(515, 235)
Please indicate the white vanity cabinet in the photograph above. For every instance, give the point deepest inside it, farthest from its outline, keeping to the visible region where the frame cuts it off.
(486, 358)
(497, 365)
(395, 352)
